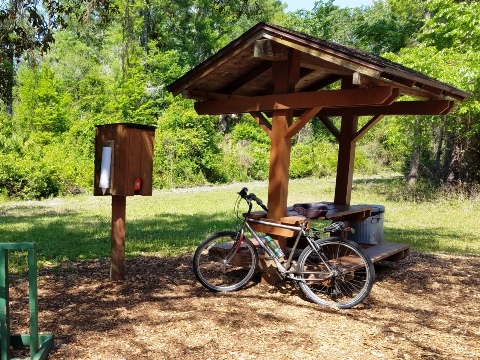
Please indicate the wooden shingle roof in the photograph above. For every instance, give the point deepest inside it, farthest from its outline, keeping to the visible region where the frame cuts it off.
(244, 68)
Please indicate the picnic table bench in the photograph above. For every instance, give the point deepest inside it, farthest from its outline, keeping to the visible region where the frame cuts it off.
(390, 251)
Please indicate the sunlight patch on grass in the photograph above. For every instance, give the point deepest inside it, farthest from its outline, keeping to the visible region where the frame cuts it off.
(173, 222)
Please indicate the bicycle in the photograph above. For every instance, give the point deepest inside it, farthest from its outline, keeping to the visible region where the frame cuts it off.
(330, 271)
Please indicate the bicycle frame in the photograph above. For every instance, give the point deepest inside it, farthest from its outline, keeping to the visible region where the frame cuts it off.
(283, 268)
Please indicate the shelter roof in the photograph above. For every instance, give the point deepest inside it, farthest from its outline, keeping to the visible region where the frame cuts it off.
(244, 68)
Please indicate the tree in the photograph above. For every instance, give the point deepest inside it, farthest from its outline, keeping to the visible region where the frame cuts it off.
(448, 51)
(27, 29)
(388, 26)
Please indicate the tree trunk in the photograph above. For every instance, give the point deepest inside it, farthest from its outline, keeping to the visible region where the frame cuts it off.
(7, 78)
(414, 166)
(449, 145)
(415, 157)
(455, 162)
(438, 156)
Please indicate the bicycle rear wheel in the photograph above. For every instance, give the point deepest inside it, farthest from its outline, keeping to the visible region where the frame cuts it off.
(214, 270)
(345, 283)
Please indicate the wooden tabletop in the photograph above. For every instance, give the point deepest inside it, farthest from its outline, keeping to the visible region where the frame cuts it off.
(335, 212)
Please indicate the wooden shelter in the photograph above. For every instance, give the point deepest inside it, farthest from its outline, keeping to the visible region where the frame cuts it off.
(282, 78)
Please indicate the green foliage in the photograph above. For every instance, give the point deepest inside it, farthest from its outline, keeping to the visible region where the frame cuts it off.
(245, 160)
(382, 28)
(28, 178)
(249, 130)
(186, 148)
(318, 158)
(325, 20)
(453, 24)
(42, 110)
(111, 62)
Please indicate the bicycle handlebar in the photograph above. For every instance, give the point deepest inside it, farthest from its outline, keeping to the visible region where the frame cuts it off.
(249, 197)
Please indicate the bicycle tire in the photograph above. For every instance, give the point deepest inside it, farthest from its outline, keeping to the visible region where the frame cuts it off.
(350, 281)
(210, 262)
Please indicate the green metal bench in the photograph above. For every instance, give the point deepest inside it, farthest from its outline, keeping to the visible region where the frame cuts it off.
(40, 344)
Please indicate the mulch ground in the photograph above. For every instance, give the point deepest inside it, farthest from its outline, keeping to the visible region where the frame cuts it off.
(423, 307)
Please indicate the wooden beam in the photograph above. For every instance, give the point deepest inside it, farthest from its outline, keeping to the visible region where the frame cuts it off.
(324, 98)
(367, 127)
(320, 84)
(429, 107)
(301, 122)
(117, 264)
(430, 89)
(330, 126)
(338, 59)
(263, 122)
(346, 154)
(361, 80)
(294, 70)
(246, 78)
(206, 95)
(450, 107)
(399, 80)
(269, 50)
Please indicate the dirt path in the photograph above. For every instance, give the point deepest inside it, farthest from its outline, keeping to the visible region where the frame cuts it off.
(424, 307)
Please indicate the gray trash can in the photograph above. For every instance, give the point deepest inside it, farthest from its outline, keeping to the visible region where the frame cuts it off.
(369, 231)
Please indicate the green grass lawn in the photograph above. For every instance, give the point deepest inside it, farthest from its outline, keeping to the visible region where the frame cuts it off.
(174, 221)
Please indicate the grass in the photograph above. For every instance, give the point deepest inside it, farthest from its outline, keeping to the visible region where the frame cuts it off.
(175, 221)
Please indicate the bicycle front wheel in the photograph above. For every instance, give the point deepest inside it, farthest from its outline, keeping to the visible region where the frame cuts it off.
(337, 273)
(219, 266)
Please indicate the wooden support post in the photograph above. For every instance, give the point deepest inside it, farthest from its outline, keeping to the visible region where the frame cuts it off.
(285, 76)
(117, 266)
(346, 154)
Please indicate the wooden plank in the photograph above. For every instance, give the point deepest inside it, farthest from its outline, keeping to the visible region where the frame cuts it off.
(320, 84)
(293, 220)
(146, 169)
(263, 122)
(134, 160)
(348, 212)
(330, 126)
(272, 230)
(330, 56)
(117, 266)
(346, 153)
(388, 251)
(304, 100)
(429, 107)
(266, 49)
(301, 122)
(335, 212)
(245, 78)
(373, 121)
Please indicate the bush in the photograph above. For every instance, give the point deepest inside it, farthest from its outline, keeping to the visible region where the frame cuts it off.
(317, 158)
(27, 178)
(187, 148)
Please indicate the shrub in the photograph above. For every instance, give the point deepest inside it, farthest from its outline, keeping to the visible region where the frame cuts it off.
(28, 178)
(187, 148)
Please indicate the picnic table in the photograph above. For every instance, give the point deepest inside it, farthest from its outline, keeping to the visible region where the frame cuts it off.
(390, 251)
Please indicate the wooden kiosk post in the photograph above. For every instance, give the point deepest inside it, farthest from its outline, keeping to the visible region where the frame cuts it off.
(123, 167)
